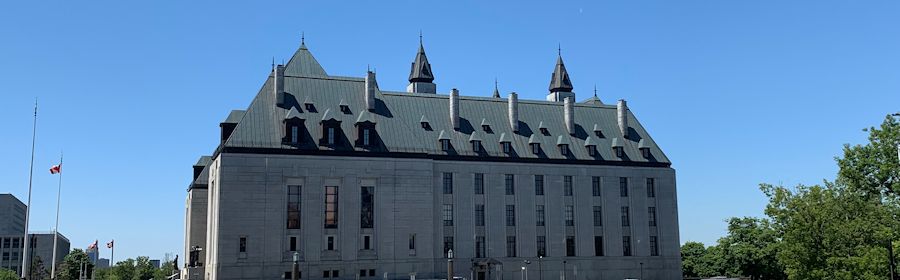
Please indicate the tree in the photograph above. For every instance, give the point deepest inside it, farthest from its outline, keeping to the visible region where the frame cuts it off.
(750, 249)
(72, 265)
(6, 274)
(37, 269)
(692, 258)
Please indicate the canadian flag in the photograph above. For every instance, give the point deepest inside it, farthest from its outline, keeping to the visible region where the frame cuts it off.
(93, 246)
(55, 169)
(110, 244)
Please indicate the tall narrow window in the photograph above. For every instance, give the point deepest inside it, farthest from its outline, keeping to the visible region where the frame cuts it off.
(448, 214)
(570, 215)
(598, 216)
(445, 145)
(625, 220)
(567, 185)
(242, 244)
(366, 135)
(536, 148)
(592, 150)
(654, 247)
(651, 187)
(564, 150)
(295, 134)
(541, 245)
(330, 139)
(539, 215)
(510, 184)
(626, 245)
(448, 183)
(479, 183)
(651, 216)
(538, 184)
(479, 215)
(331, 207)
(479, 247)
(595, 186)
(293, 244)
(293, 206)
(448, 244)
(598, 245)
(510, 215)
(367, 209)
(329, 243)
(570, 246)
(623, 186)
(506, 147)
(476, 146)
(412, 242)
(367, 242)
(510, 246)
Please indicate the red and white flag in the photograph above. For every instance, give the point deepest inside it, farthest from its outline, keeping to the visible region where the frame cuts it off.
(93, 246)
(110, 244)
(56, 169)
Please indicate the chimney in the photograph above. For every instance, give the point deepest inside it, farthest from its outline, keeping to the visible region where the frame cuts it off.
(279, 85)
(514, 111)
(371, 84)
(569, 111)
(454, 108)
(622, 113)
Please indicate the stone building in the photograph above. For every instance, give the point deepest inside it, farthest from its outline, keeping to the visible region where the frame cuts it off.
(12, 229)
(365, 183)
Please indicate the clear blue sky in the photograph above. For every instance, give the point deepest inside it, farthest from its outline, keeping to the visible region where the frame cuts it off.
(736, 92)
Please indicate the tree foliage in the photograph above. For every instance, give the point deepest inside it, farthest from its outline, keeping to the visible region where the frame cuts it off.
(836, 230)
(6, 274)
(136, 269)
(71, 265)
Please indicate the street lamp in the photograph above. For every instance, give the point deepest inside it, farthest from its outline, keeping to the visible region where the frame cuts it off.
(295, 273)
(541, 267)
(524, 273)
(642, 270)
(450, 264)
(564, 270)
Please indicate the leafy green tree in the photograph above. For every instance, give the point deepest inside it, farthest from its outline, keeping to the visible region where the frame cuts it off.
(37, 269)
(692, 258)
(750, 249)
(71, 265)
(873, 168)
(6, 274)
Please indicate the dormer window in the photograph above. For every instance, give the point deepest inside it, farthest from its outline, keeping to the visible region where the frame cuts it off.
(425, 125)
(330, 136)
(645, 152)
(345, 109)
(424, 122)
(599, 133)
(564, 149)
(476, 146)
(645, 148)
(445, 145)
(366, 135)
(544, 131)
(295, 134)
(620, 152)
(536, 148)
(485, 125)
(506, 146)
(592, 150)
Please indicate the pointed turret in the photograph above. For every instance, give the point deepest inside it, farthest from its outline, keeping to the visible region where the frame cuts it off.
(421, 79)
(496, 89)
(560, 85)
(303, 63)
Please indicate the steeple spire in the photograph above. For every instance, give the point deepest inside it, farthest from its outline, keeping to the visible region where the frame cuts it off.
(559, 81)
(421, 79)
(421, 69)
(302, 40)
(496, 89)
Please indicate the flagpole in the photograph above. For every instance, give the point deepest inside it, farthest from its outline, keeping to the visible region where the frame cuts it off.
(112, 257)
(25, 258)
(56, 228)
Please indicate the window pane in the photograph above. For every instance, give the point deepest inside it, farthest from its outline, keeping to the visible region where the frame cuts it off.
(539, 213)
(595, 185)
(623, 186)
(448, 183)
(448, 214)
(479, 183)
(331, 207)
(510, 215)
(367, 207)
(293, 206)
(570, 215)
(510, 184)
(567, 185)
(538, 184)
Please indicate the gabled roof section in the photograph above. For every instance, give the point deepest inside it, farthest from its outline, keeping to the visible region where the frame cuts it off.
(560, 79)
(328, 115)
(616, 143)
(443, 136)
(563, 140)
(594, 100)
(503, 138)
(421, 69)
(534, 139)
(423, 119)
(365, 116)
(474, 137)
(590, 141)
(643, 144)
(304, 64)
(293, 114)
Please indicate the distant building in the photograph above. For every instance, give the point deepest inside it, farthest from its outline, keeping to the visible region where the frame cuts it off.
(12, 215)
(102, 263)
(154, 263)
(12, 227)
(93, 255)
(361, 182)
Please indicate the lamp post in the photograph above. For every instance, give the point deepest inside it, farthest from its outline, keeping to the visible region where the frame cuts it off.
(524, 273)
(450, 264)
(642, 270)
(540, 267)
(564, 270)
(295, 273)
